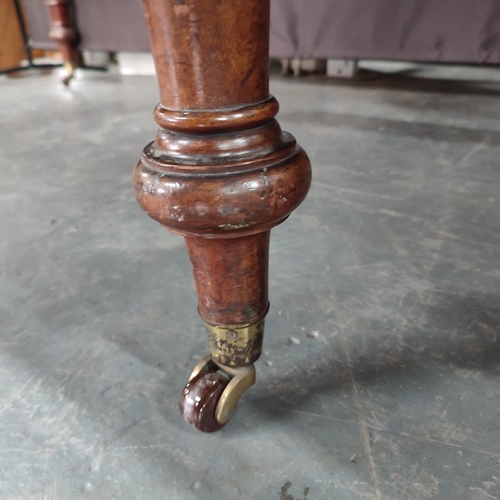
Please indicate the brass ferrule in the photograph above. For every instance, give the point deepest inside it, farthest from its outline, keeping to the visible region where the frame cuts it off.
(236, 346)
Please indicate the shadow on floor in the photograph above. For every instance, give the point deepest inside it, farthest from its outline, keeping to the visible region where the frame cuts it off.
(472, 344)
(418, 130)
(404, 80)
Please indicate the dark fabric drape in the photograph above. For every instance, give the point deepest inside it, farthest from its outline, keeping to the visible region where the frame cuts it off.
(417, 30)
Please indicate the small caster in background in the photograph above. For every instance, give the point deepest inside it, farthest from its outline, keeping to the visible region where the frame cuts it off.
(70, 73)
(211, 396)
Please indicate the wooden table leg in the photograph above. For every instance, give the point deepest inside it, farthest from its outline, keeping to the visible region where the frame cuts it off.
(221, 173)
(64, 32)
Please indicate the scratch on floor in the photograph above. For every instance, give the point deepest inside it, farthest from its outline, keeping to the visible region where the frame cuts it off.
(473, 150)
(280, 473)
(19, 391)
(363, 428)
(98, 455)
(54, 488)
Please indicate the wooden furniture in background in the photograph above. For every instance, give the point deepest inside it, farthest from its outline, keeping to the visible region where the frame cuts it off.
(58, 21)
(13, 27)
(221, 173)
(11, 42)
(63, 31)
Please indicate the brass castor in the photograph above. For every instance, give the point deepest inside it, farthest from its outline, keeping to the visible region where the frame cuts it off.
(70, 73)
(211, 396)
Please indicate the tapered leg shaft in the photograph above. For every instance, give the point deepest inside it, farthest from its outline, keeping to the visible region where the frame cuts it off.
(231, 281)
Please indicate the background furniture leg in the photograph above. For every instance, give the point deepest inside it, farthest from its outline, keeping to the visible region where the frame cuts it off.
(64, 32)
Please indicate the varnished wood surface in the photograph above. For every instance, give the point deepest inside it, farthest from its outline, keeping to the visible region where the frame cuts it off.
(221, 171)
(210, 55)
(231, 277)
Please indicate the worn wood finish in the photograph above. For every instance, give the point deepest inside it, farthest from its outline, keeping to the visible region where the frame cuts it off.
(220, 172)
(244, 280)
(63, 31)
(209, 55)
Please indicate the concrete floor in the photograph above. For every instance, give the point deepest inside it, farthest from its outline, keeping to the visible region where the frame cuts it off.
(394, 259)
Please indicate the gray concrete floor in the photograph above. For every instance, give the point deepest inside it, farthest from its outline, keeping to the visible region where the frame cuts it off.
(394, 259)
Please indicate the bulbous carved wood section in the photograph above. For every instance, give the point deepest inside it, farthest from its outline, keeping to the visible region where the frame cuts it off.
(222, 183)
(223, 205)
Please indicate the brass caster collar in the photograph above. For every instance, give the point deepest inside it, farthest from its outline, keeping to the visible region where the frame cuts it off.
(236, 346)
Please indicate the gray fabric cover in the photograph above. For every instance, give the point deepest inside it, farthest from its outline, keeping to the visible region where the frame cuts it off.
(419, 30)
(416, 30)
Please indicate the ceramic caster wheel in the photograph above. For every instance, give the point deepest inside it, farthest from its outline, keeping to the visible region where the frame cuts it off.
(211, 396)
(199, 399)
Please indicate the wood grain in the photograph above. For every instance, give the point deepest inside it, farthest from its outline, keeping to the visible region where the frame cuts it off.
(220, 172)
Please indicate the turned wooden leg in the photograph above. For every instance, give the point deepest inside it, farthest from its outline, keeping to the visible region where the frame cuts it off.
(221, 173)
(63, 31)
